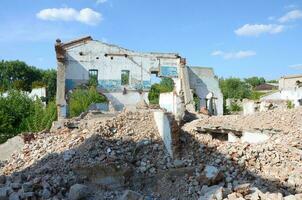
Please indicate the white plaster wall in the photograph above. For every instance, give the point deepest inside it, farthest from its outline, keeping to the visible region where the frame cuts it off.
(203, 81)
(254, 137)
(293, 95)
(172, 103)
(120, 101)
(164, 129)
(177, 85)
(37, 93)
(289, 83)
(110, 69)
(248, 107)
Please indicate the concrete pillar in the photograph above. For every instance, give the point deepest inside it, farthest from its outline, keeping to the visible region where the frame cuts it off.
(60, 96)
(185, 86)
(61, 70)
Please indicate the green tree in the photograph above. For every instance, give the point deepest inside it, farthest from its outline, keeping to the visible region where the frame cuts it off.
(234, 88)
(18, 74)
(13, 109)
(40, 117)
(165, 85)
(272, 81)
(254, 81)
(81, 99)
(49, 78)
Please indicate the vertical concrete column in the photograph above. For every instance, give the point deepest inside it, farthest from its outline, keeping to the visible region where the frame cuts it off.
(60, 96)
(185, 86)
(61, 70)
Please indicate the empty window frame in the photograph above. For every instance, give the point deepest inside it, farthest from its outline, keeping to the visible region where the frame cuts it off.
(93, 77)
(93, 73)
(125, 75)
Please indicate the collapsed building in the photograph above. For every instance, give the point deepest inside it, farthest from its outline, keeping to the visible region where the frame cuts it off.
(125, 76)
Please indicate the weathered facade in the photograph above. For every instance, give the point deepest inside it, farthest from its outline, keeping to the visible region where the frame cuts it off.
(124, 76)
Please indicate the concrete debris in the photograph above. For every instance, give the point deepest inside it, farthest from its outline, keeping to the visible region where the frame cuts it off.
(213, 192)
(78, 192)
(123, 156)
(131, 195)
(12, 145)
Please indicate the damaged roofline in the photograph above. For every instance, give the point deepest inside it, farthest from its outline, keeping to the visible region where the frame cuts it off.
(83, 40)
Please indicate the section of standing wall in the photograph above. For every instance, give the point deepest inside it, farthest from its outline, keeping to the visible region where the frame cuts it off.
(202, 82)
(169, 132)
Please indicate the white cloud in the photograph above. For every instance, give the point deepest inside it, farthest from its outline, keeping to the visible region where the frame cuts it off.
(297, 66)
(233, 55)
(291, 6)
(86, 15)
(291, 16)
(101, 1)
(258, 29)
(271, 18)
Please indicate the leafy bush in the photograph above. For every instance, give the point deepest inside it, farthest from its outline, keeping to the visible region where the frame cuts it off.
(234, 88)
(18, 75)
(289, 104)
(165, 85)
(40, 118)
(254, 81)
(13, 109)
(81, 99)
(19, 113)
(235, 107)
(255, 95)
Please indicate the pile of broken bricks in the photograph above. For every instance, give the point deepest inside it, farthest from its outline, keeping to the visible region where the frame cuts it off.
(123, 157)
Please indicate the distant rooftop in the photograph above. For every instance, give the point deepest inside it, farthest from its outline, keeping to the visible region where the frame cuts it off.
(292, 76)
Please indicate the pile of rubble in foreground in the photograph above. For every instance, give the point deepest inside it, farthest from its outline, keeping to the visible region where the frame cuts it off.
(123, 157)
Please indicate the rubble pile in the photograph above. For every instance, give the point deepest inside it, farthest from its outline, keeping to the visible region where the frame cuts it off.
(285, 120)
(272, 166)
(123, 157)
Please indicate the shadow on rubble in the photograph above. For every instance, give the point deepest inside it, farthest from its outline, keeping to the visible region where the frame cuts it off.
(109, 166)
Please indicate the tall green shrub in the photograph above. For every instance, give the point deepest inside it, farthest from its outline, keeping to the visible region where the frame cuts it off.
(40, 117)
(19, 113)
(165, 85)
(81, 99)
(14, 108)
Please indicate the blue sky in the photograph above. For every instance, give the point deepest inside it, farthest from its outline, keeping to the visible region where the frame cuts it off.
(236, 38)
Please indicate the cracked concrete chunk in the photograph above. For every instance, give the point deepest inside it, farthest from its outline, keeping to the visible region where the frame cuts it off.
(131, 195)
(210, 193)
(78, 192)
(210, 175)
(4, 193)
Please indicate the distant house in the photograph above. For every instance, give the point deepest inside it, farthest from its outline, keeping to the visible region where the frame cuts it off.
(290, 82)
(266, 87)
(290, 89)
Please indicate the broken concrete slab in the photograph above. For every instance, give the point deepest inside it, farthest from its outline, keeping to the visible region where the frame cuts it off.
(210, 193)
(131, 195)
(254, 137)
(11, 146)
(78, 192)
(110, 175)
